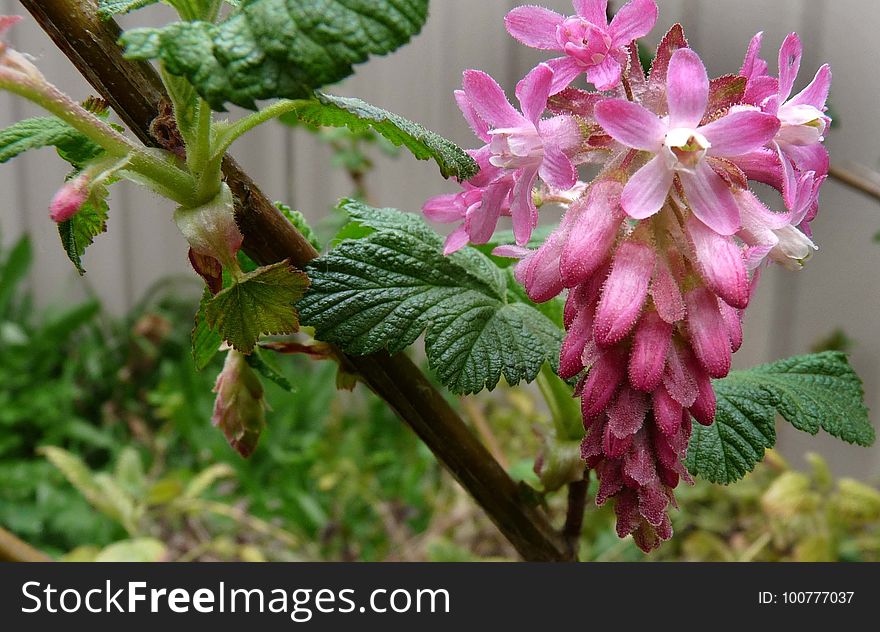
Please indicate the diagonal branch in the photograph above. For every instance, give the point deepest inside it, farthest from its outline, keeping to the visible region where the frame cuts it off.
(135, 91)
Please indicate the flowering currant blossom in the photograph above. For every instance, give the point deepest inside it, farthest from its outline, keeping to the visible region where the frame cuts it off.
(802, 117)
(520, 148)
(657, 257)
(589, 42)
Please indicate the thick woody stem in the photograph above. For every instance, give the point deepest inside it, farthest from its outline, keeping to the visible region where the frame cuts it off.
(135, 91)
(14, 550)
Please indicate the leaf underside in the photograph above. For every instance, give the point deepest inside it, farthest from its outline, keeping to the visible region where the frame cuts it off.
(812, 392)
(381, 291)
(278, 48)
(327, 110)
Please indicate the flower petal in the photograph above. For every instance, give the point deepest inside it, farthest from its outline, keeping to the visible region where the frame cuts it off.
(687, 87)
(565, 70)
(753, 66)
(522, 206)
(605, 75)
(721, 264)
(456, 240)
(592, 227)
(711, 199)
(534, 26)
(533, 91)
(740, 132)
(816, 93)
(647, 189)
(478, 125)
(444, 208)
(482, 219)
(789, 64)
(631, 124)
(489, 101)
(557, 169)
(635, 19)
(595, 11)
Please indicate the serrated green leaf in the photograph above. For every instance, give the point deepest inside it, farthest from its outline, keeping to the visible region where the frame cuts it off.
(812, 392)
(359, 116)
(108, 8)
(206, 341)
(260, 303)
(278, 48)
(47, 131)
(383, 290)
(80, 231)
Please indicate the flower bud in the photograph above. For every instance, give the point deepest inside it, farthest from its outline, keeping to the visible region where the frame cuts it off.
(708, 333)
(69, 199)
(647, 359)
(624, 293)
(602, 382)
(211, 229)
(592, 228)
(667, 412)
(722, 265)
(239, 409)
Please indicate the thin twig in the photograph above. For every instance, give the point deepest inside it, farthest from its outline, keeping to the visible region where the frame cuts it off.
(574, 516)
(12, 549)
(134, 91)
(857, 177)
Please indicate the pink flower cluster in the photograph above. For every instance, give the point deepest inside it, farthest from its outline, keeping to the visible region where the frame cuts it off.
(660, 253)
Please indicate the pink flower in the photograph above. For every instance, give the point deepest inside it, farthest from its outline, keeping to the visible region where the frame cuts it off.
(523, 146)
(70, 199)
(802, 117)
(589, 42)
(682, 147)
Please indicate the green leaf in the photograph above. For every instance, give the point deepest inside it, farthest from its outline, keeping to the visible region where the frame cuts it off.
(80, 231)
(261, 365)
(14, 270)
(206, 341)
(136, 550)
(811, 392)
(359, 116)
(261, 302)
(108, 8)
(381, 291)
(47, 131)
(278, 48)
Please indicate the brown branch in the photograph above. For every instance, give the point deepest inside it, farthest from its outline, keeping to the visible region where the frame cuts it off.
(14, 550)
(857, 177)
(134, 90)
(574, 516)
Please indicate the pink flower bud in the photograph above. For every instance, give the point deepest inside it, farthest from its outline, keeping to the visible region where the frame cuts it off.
(638, 462)
(602, 382)
(666, 294)
(708, 333)
(703, 408)
(239, 410)
(539, 272)
(624, 293)
(678, 378)
(721, 262)
(627, 414)
(667, 412)
(592, 228)
(733, 323)
(647, 359)
(69, 199)
(579, 332)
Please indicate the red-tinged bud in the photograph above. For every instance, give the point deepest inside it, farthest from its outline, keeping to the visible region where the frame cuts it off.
(592, 225)
(602, 382)
(627, 414)
(733, 323)
(708, 333)
(239, 410)
(579, 332)
(211, 229)
(611, 482)
(703, 408)
(653, 501)
(638, 462)
(666, 294)
(667, 412)
(647, 359)
(624, 293)
(69, 199)
(678, 379)
(613, 446)
(539, 272)
(722, 264)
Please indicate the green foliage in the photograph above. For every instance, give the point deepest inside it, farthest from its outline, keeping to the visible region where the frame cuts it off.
(811, 392)
(278, 48)
(108, 8)
(327, 110)
(188, 9)
(79, 232)
(383, 290)
(206, 340)
(299, 222)
(47, 131)
(259, 303)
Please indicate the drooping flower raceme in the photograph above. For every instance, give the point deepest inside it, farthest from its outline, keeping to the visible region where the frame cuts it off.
(658, 256)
